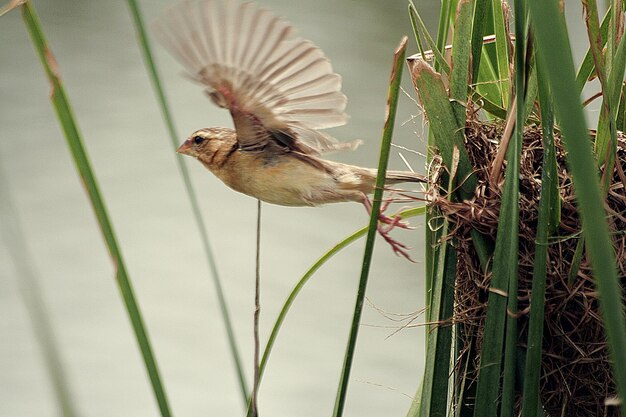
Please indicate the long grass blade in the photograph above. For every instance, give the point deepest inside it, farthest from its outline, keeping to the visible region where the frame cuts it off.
(432, 235)
(553, 46)
(459, 83)
(502, 49)
(504, 267)
(621, 112)
(74, 141)
(392, 102)
(615, 65)
(595, 40)
(615, 30)
(549, 190)
(478, 30)
(487, 84)
(532, 89)
(486, 79)
(433, 400)
(503, 287)
(416, 29)
(432, 396)
(443, 27)
(146, 50)
(28, 282)
(419, 27)
(606, 145)
(523, 46)
(587, 67)
(606, 127)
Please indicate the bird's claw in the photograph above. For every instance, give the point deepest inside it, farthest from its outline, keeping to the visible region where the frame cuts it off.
(392, 222)
(398, 248)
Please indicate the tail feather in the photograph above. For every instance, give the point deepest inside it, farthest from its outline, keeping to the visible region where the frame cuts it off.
(395, 177)
(351, 177)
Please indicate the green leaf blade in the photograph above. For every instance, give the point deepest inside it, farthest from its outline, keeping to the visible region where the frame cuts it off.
(73, 138)
(392, 102)
(554, 48)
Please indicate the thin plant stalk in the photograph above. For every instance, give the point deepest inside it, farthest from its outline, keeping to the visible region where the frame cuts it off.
(392, 101)
(146, 50)
(295, 291)
(257, 313)
(66, 118)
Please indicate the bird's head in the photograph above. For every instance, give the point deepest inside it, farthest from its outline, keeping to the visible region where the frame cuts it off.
(206, 141)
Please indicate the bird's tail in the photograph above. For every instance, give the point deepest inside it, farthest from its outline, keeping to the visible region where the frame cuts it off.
(351, 177)
(395, 177)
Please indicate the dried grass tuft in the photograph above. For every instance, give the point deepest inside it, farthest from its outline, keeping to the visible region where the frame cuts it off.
(576, 377)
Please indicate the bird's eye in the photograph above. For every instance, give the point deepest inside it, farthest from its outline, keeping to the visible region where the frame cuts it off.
(198, 140)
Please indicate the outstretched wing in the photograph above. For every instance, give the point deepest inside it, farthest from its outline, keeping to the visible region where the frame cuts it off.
(278, 88)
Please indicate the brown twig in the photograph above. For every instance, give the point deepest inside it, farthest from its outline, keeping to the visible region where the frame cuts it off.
(496, 170)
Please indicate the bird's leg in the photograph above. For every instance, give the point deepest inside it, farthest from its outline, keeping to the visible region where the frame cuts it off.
(398, 248)
(393, 221)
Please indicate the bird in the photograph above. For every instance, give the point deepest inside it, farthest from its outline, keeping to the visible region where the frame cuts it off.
(281, 93)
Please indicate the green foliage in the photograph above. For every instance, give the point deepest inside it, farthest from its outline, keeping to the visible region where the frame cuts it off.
(556, 53)
(548, 218)
(504, 370)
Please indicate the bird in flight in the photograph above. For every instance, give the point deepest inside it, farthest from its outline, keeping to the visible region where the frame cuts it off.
(281, 92)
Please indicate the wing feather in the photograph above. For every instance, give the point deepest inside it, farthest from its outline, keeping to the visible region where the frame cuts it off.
(253, 65)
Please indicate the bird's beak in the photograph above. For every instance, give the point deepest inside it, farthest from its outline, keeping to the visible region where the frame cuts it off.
(185, 148)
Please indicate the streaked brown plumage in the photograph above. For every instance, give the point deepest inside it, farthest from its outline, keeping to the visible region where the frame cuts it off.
(280, 91)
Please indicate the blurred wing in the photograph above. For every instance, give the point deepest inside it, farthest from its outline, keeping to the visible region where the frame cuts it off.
(277, 88)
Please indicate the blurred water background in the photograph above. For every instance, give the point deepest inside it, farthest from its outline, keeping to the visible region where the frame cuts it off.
(104, 76)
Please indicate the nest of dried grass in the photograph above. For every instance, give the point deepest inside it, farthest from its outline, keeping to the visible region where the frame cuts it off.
(576, 377)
